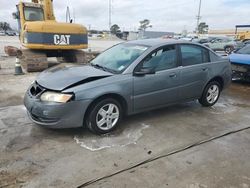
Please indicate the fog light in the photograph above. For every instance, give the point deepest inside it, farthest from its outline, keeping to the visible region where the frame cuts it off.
(46, 113)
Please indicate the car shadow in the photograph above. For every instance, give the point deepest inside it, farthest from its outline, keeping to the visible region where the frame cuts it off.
(241, 82)
(127, 122)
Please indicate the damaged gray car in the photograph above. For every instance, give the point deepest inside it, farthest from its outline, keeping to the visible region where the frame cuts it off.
(126, 79)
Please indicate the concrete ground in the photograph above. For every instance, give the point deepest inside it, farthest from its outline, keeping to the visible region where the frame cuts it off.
(185, 145)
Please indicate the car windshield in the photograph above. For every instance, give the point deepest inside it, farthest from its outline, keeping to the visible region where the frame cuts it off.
(119, 57)
(244, 50)
(33, 14)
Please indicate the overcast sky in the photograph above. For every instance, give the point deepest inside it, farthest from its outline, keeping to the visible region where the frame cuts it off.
(165, 15)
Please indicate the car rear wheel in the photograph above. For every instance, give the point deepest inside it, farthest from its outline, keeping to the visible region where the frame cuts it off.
(104, 116)
(228, 49)
(210, 94)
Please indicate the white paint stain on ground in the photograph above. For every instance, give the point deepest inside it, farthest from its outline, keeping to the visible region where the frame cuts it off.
(223, 107)
(129, 136)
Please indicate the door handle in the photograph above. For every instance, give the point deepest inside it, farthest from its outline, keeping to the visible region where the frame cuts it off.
(204, 69)
(173, 75)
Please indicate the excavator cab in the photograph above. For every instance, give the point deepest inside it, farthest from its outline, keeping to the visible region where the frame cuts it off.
(242, 35)
(33, 14)
(30, 12)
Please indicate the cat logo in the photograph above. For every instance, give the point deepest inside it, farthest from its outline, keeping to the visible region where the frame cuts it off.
(61, 39)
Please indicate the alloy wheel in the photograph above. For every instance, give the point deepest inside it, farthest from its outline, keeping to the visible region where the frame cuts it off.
(213, 93)
(107, 116)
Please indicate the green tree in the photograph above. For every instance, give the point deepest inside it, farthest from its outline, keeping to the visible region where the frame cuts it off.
(144, 24)
(115, 29)
(203, 28)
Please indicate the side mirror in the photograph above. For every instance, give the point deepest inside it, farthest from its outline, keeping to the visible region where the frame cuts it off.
(15, 15)
(144, 71)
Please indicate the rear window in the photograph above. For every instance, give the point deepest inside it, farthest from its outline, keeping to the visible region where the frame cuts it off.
(193, 55)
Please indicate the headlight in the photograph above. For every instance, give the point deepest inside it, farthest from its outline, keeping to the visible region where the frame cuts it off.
(55, 97)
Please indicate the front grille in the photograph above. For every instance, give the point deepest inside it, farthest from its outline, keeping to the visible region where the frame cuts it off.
(36, 90)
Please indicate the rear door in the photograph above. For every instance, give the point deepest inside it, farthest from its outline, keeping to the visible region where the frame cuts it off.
(216, 44)
(194, 71)
(153, 90)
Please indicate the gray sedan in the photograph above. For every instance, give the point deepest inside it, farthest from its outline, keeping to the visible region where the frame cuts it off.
(126, 79)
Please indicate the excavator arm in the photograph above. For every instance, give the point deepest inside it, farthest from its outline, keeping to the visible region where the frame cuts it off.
(48, 8)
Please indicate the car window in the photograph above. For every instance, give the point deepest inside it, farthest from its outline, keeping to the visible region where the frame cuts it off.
(162, 59)
(119, 57)
(193, 55)
(244, 50)
(203, 41)
(226, 40)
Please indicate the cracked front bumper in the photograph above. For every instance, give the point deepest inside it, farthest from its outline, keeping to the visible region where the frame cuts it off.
(56, 115)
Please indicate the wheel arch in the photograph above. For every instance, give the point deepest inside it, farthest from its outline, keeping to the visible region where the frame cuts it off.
(115, 96)
(219, 79)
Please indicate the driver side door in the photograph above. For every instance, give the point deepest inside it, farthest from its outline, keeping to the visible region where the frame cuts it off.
(160, 87)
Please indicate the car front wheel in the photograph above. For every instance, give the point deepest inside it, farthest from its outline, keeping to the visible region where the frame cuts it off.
(104, 116)
(210, 94)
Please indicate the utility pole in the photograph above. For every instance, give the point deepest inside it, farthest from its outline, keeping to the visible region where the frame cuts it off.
(68, 17)
(74, 16)
(198, 18)
(110, 13)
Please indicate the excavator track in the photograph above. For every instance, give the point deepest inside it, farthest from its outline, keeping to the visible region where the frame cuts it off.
(37, 60)
(73, 56)
(77, 56)
(33, 61)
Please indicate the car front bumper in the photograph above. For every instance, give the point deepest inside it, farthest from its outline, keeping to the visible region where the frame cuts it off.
(241, 71)
(55, 115)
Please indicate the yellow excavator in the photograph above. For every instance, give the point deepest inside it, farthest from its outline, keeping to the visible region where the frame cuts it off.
(242, 35)
(43, 36)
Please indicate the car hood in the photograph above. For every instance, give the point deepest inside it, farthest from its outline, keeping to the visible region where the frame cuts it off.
(240, 59)
(65, 76)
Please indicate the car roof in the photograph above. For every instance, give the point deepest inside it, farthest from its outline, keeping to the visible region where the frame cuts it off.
(158, 42)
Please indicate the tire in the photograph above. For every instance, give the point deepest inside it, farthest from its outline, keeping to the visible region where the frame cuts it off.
(210, 94)
(104, 116)
(228, 49)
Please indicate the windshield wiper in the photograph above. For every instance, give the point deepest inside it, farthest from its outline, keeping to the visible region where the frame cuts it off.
(102, 67)
(97, 66)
